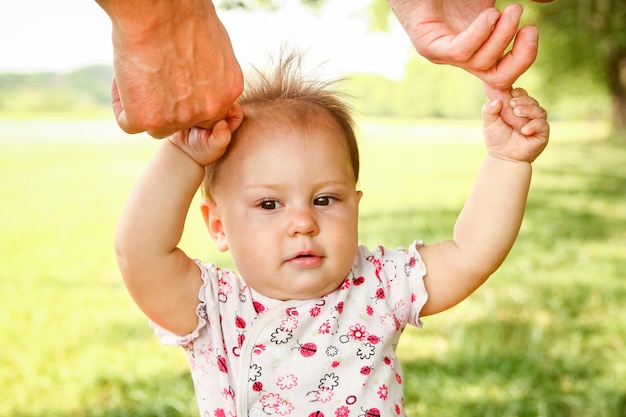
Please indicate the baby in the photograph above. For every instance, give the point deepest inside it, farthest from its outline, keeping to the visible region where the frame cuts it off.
(309, 322)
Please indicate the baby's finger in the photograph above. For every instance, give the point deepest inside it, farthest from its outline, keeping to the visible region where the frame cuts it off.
(524, 101)
(518, 92)
(536, 127)
(220, 136)
(530, 111)
(235, 117)
(491, 112)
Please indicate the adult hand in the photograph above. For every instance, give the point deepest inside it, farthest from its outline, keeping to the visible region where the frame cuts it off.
(472, 35)
(174, 65)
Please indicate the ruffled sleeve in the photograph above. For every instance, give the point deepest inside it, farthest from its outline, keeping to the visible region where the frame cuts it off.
(168, 338)
(416, 271)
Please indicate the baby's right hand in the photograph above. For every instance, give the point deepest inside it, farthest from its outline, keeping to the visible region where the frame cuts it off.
(206, 146)
(505, 141)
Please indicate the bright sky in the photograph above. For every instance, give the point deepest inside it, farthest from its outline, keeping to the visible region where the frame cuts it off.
(65, 34)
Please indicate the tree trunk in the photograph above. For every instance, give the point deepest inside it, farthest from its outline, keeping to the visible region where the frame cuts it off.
(617, 87)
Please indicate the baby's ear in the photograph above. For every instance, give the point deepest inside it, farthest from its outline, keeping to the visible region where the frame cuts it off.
(213, 221)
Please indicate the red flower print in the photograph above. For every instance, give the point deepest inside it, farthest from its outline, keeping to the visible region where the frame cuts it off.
(342, 411)
(358, 332)
(315, 311)
(382, 392)
(324, 327)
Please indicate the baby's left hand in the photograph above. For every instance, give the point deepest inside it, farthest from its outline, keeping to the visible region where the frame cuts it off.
(206, 146)
(503, 141)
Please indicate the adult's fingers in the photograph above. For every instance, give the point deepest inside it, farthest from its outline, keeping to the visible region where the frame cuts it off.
(517, 60)
(503, 33)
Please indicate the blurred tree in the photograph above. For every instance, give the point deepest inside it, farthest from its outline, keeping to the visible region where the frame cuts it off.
(583, 45)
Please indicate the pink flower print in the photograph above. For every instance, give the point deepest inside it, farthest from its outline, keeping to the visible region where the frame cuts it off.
(224, 287)
(284, 408)
(271, 400)
(342, 411)
(345, 284)
(369, 310)
(335, 364)
(289, 324)
(207, 350)
(228, 393)
(220, 413)
(203, 370)
(399, 379)
(398, 409)
(287, 381)
(324, 327)
(324, 395)
(358, 332)
(383, 392)
(390, 321)
(400, 309)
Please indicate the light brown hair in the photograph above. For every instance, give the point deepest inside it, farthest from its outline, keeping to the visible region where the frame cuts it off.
(287, 97)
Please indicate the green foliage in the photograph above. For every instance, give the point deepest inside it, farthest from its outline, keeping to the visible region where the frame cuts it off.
(82, 92)
(426, 91)
(583, 50)
(545, 336)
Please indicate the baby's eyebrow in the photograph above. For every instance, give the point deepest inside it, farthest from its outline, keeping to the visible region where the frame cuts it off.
(283, 185)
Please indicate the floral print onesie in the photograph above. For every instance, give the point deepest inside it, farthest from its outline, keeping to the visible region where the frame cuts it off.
(333, 356)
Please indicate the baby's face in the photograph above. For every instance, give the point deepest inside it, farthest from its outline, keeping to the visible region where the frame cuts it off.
(287, 203)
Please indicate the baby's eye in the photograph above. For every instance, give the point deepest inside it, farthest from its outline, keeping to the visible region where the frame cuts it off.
(325, 200)
(269, 204)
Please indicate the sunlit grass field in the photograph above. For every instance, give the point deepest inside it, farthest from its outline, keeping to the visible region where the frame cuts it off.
(545, 336)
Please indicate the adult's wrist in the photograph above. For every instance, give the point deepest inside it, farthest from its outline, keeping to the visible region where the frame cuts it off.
(142, 20)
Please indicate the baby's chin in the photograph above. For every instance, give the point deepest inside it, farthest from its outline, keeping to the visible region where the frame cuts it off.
(308, 292)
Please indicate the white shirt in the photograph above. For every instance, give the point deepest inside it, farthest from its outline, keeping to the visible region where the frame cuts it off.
(332, 356)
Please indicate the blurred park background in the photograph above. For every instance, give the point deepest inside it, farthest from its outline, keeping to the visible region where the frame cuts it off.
(545, 336)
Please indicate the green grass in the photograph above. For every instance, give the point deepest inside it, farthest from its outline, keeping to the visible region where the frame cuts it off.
(546, 336)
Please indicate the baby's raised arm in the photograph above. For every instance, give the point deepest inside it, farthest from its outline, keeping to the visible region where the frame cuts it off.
(490, 220)
(162, 280)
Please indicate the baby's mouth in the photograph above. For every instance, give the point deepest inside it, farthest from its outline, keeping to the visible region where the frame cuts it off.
(306, 259)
